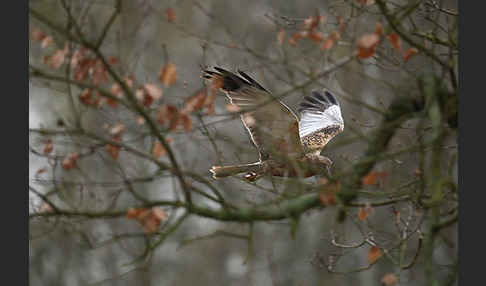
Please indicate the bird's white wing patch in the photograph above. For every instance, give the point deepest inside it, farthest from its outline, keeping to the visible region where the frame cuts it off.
(313, 120)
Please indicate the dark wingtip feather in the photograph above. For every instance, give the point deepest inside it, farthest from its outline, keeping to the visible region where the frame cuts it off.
(251, 80)
(232, 81)
(317, 101)
(331, 97)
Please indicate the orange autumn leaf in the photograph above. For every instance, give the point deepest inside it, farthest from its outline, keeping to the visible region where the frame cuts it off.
(150, 219)
(374, 254)
(328, 44)
(372, 178)
(159, 213)
(281, 36)
(317, 37)
(395, 41)
(362, 214)
(389, 279)
(409, 53)
(365, 211)
(379, 28)
(366, 45)
(158, 149)
(113, 150)
(296, 36)
(133, 213)
(331, 40)
(195, 102)
(69, 162)
(171, 16)
(168, 74)
(342, 25)
(327, 198)
(48, 147)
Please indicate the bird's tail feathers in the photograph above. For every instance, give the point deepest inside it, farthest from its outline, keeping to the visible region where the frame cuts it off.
(226, 171)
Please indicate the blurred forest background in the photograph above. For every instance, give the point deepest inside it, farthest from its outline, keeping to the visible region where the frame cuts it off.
(123, 131)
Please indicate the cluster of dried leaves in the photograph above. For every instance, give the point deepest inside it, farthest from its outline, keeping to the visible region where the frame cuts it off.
(149, 219)
(366, 45)
(310, 29)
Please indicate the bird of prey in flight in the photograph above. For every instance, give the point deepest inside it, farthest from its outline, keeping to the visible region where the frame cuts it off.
(288, 146)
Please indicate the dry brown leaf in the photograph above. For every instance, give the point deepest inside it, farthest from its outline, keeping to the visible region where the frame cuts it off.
(362, 214)
(372, 178)
(389, 279)
(140, 120)
(171, 16)
(150, 219)
(158, 149)
(40, 171)
(328, 44)
(112, 60)
(113, 150)
(317, 37)
(69, 162)
(152, 90)
(45, 208)
(57, 59)
(342, 25)
(117, 129)
(187, 122)
(116, 90)
(312, 22)
(195, 102)
(379, 29)
(85, 96)
(46, 41)
(327, 198)
(159, 213)
(417, 172)
(281, 36)
(48, 147)
(99, 74)
(366, 45)
(296, 36)
(331, 40)
(168, 74)
(129, 81)
(37, 35)
(77, 56)
(395, 41)
(409, 53)
(374, 254)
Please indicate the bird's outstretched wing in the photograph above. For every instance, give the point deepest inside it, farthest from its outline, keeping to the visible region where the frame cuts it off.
(273, 127)
(320, 120)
